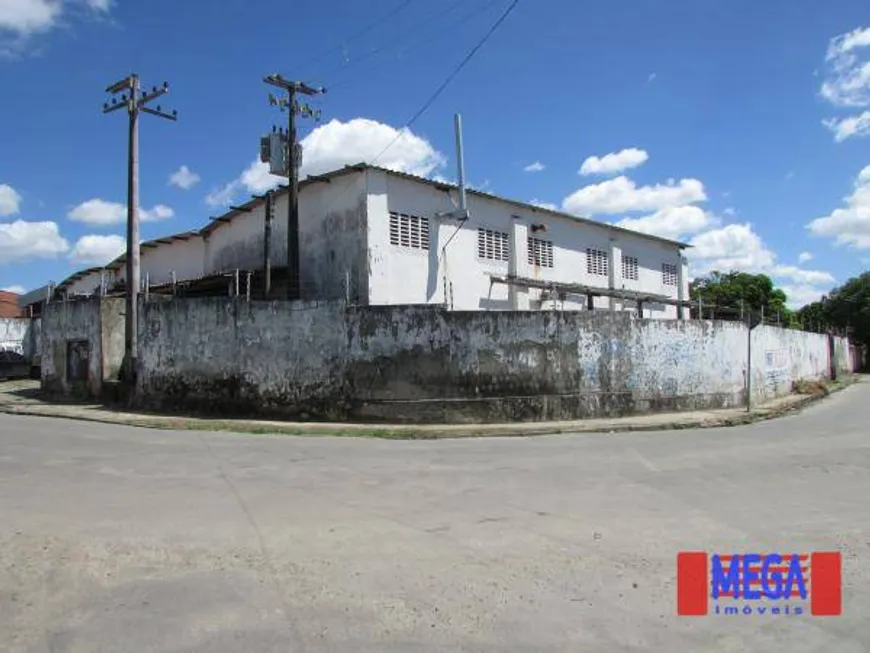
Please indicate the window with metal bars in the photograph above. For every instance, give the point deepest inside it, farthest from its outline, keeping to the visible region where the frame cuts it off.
(629, 267)
(492, 245)
(596, 261)
(540, 252)
(409, 231)
(669, 274)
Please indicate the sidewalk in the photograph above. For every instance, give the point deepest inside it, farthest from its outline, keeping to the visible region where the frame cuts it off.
(22, 398)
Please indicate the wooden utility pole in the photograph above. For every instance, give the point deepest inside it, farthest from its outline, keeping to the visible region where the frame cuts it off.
(135, 102)
(294, 162)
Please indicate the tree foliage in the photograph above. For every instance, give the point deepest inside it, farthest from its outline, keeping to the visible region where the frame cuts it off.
(845, 310)
(729, 295)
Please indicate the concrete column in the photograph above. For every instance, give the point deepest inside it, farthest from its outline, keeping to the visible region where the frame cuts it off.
(614, 271)
(518, 265)
(682, 284)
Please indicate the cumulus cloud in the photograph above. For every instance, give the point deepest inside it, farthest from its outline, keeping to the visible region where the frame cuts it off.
(183, 178)
(537, 166)
(100, 212)
(21, 20)
(97, 249)
(15, 290)
(738, 247)
(22, 240)
(10, 200)
(805, 257)
(849, 225)
(847, 82)
(622, 195)
(614, 162)
(672, 222)
(545, 205)
(843, 128)
(337, 144)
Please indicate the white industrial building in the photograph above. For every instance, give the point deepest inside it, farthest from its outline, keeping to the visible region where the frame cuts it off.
(375, 236)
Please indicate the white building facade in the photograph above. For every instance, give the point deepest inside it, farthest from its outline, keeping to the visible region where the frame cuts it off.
(378, 237)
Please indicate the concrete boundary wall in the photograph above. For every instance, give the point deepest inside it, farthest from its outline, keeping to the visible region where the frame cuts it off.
(424, 364)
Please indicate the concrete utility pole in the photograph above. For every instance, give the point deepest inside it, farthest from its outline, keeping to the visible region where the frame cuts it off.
(135, 102)
(294, 161)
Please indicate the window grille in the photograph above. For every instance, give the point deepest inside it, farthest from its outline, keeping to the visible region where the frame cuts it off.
(596, 261)
(409, 231)
(492, 245)
(540, 252)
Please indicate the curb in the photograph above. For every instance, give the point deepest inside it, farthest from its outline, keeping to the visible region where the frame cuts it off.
(399, 432)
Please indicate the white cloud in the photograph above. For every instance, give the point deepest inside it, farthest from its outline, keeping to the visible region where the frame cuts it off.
(22, 20)
(847, 82)
(651, 78)
(732, 247)
(22, 240)
(25, 17)
(672, 222)
(336, 144)
(100, 212)
(15, 290)
(843, 128)
(730, 211)
(801, 276)
(738, 247)
(99, 5)
(97, 249)
(544, 205)
(621, 195)
(183, 178)
(537, 166)
(849, 225)
(805, 257)
(802, 294)
(614, 162)
(10, 200)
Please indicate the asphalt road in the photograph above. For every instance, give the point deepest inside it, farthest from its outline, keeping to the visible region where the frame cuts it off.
(123, 539)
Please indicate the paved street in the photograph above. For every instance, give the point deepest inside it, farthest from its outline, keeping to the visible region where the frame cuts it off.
(119, 539)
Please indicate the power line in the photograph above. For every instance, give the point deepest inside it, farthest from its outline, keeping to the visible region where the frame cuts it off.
(438, 91)
(365, 30)
(468, 57)
(407, 35)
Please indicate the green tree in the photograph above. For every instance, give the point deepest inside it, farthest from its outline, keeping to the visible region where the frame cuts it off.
(729, 295)
(846, 309)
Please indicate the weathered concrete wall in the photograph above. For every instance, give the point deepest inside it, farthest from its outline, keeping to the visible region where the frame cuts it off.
(237, 357)
(63, 322)
(418, 363)
(112, 313)
(17, 346)
(421, 363)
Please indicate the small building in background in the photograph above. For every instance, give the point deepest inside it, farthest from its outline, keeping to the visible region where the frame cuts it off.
(9, 306)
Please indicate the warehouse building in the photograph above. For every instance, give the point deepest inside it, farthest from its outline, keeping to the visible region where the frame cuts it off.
(374, 236)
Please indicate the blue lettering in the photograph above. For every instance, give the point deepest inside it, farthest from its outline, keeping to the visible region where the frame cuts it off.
(795, 575)
(775, 592)
(750, 575)
(731, 610)
(747, 609)
(726, 582)
(776, 610)
(798, 610)
(761, 609)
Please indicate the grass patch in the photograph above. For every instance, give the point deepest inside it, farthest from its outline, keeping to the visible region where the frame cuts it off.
(811, 388)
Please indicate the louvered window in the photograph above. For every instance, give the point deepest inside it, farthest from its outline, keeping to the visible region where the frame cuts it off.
(669, 274)
(409, 231)
(492, 245)
(596, 261)
(629, 268)
(540, 252)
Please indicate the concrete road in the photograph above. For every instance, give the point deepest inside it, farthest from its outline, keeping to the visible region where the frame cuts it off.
(120, 539)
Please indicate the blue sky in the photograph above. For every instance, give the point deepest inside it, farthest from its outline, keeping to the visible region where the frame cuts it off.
(736, 125)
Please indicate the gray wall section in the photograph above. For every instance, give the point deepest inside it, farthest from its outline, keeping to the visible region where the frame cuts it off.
(227, 356)
(63, 322)
(421, 363)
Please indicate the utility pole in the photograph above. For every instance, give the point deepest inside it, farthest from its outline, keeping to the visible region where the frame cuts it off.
(135, 102)
(293, 158)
